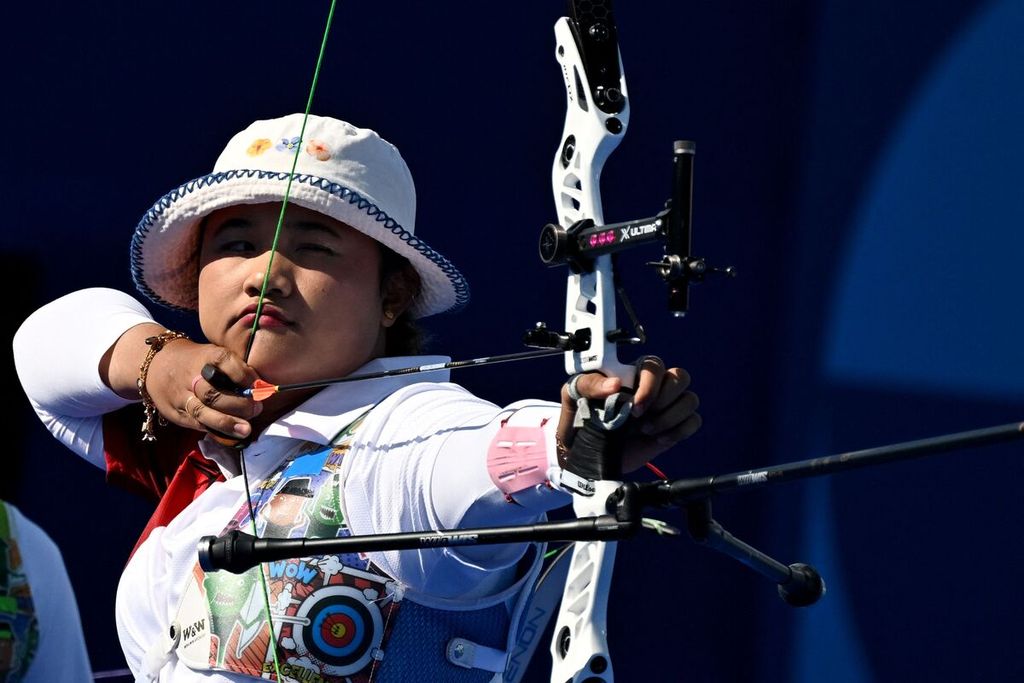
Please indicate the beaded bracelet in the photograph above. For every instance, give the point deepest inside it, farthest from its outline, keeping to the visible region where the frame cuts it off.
(155, 344)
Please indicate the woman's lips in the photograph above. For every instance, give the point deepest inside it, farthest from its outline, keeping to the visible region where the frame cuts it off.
(266, 321)
(270, 317)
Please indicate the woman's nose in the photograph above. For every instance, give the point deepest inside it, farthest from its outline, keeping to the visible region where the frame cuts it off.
(279, 282)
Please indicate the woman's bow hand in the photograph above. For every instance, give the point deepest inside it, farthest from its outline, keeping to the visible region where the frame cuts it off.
(664, 411)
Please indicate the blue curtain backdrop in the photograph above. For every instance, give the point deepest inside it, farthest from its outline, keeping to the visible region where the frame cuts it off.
(856, 162)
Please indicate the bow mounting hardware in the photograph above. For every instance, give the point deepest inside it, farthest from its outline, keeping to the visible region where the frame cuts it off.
(579, 245)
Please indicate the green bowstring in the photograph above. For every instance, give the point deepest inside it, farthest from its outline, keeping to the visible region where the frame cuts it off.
(259, 308)
(288, 187)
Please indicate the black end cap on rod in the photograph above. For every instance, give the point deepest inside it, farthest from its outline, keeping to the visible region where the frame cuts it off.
(804, 586)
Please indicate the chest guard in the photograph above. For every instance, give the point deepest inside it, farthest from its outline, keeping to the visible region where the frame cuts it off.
(335, 618)
(19, 629)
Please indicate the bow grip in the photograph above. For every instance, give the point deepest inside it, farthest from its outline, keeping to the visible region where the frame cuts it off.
(596, 453)
(597, 448)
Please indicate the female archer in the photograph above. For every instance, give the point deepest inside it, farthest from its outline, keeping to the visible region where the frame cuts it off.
(298, 254)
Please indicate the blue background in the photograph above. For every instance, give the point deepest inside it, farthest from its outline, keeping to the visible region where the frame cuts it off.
(857, 162)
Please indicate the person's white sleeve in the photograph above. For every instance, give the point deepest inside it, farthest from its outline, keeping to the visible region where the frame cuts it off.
(61, 654)
(57, 352)
(419, 463)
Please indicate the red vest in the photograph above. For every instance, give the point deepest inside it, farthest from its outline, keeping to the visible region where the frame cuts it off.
(170, 471)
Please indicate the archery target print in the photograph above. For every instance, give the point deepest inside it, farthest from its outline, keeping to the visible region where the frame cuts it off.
(340, 628)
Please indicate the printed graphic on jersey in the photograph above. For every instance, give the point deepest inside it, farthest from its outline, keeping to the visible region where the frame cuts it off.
(340, 628)
(331, 614)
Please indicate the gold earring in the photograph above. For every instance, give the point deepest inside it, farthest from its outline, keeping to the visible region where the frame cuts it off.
(389, 315)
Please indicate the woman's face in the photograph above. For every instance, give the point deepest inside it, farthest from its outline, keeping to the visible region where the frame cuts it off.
(322, 314)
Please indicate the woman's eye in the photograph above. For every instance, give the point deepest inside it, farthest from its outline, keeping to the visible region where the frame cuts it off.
(236, 246)
(316, 248)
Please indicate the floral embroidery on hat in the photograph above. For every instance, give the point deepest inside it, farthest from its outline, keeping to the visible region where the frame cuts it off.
(288, 144)
(318, 149)
(258, 147)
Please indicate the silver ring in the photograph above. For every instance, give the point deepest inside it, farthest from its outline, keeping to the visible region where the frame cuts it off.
(656, 359)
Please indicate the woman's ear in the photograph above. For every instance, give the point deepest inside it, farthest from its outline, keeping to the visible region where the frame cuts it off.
(400, 289)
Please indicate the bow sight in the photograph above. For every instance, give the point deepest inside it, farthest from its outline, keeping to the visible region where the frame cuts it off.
(579, 244)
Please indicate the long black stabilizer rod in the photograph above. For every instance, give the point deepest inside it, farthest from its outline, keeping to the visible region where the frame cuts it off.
(237, 551)
(682, 491)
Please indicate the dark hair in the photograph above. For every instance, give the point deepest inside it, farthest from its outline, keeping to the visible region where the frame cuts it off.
(404, 337)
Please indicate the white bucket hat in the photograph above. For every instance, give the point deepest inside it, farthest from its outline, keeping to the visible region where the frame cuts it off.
(350, 174)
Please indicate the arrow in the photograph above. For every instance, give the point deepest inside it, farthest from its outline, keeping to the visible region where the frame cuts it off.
(262, 390)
